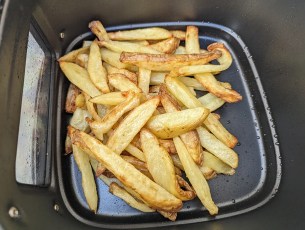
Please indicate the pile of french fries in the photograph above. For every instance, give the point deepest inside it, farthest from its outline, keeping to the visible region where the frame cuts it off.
(137, 122)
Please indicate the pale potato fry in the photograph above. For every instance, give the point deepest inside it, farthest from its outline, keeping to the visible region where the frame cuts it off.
(167, 62)
(144, 79)
(173, 124)
(82, 60)
(178, 34)
(131, 125)
(152, 33)
(192, 40)
(88, 181)
(79, 77)
(217, 148)
(113, 58)
(180, 50)
(96, 70)
(134, 151)
(156, 196)
(80, 101)
(86, 43)
(140, 165)
(91, 109)
(120, 192)
(213, 124)
(196, 178)
(119, 46)
(112, 98)
(216, 164)
(98, 29)
(122, 83)
(211, 102)
(102, 126)
(167, 46)
(140, 42)
(78, 120)
(71, 56)
(73, 92)
(155, 155)
(207, 172)
(102, 110)
(130, 75)
(192, 90)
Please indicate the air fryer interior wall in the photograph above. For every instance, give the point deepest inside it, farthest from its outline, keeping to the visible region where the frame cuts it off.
(273, 32)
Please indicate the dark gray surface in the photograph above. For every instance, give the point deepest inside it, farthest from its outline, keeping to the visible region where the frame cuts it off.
(274, 32)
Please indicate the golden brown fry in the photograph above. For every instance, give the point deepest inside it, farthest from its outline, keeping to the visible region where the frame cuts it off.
(144, 79)
(216, 164)
(97, 72)
(140, 165)
(196, 178)
(153, 194)
(211, 102)
(217, 148)
(159, 164)
(112, 98)
(102, 126)
(72, 94)
(82, 60)
(178, 34)
(79, 77)
(173, 124)
(169, 215)
(167, 62)
(207, 172)
(192, 40)
(98, 29)
(91, 109)
(213, 124)
(152, 33)
(113, 58)
(168, 145)
(167, 46)
(88, 181)
(71, 56)
(130, 75)
(131, 125)
(122, 83)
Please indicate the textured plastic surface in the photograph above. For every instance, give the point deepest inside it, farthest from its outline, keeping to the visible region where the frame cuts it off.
(250, 120)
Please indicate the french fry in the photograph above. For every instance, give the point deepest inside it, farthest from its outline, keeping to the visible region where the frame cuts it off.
(152, 33)
(207, 172)
(122, 83)
(97, 72)
(144, 79)
(78, 120)
(217, 148)
(120, 192)
(86, 43)
(139, 165)
(112, 98)
(196, 178)
(157, 197)
(167, 46)
(192, 90)
(140, 42)
(80, 101)
(82, 60)
(134, 151)
(180, 50)
(211, 102)
(91, 109)
(131, 125)
(73, 92)
(79, 77)
(119, 46)
(192, 40)
(98, 29)
(167, 62)
(102, 110)
(71, 56)
(156, 155)
(216, 164)
(168, 145)
(213, 124)
(178, 34)
(88, 182)
(102, 126)
(113, 58)
(130, 75)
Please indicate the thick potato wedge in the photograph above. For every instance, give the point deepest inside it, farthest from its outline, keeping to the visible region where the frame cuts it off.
(119, 46)
(213, 124)
(211, 102)
(178, 34)
(173, 124)
(156, 196)
(78, 120)
(98, 29)
(216, 164)
(71, 56)
(82, 60)
(122, 83)
(96, 70)
(112, 98)
(152, 33)
(113, 58)
(134, 151)
(159, 164)
(130, 75)
(102, 126)
(79, 77)
(167, 62)
(73, 92)
(144, 79)
(120, 192)
(192, 40)
(88, 181)
(167, 46)
(217, 148)
(196, 178)
(131, 125)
